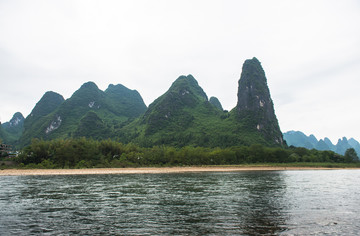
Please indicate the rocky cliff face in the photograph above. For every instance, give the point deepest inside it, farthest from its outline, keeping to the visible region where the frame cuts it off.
(255, 104)
(16, 121)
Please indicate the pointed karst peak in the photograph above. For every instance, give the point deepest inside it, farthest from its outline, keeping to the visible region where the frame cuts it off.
(88, 92)
(49, 102)
(255, 103)
(117, 87)
(216, 102)
(18, 115)
(189, 79)
(176, 105)
(89, 85)
(125, 101)
(17, 119)
(50, 95)
(188, 85)
(253, 92)
(252, 68)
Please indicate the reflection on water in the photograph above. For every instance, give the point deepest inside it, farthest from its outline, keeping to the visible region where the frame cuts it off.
(264, 211)
(242, 203)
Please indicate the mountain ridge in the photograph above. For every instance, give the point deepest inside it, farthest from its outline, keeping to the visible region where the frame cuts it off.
(87, 105)
(182, 116)
(299, 139)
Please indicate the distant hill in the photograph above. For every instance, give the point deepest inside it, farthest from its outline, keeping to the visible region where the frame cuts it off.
(11, 131)
(299, 139)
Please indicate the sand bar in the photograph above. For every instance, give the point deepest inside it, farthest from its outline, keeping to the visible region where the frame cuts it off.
(149, 170)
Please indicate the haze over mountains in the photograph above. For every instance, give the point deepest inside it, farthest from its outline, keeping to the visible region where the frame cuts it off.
(299, 139)
(182, 116)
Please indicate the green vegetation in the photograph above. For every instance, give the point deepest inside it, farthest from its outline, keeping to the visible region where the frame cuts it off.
(2, 134)
(88, 153)
(215, 101)
(183, 116)
(11, 131)
(181, 127)
(35, 123)
(351, 155)
(89, 112)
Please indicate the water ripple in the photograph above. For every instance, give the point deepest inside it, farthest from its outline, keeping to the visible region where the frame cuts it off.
(241, 203)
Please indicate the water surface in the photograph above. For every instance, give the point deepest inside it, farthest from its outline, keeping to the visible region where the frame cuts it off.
(242, 203)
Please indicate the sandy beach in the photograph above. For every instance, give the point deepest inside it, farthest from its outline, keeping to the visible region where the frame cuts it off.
(149, 170)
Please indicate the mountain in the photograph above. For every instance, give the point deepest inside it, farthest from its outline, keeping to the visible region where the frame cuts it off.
(181, 116)
(255, 105)
(3, 135)
(342, 145)
(299, 139)
(322, 145)
(354, 144)
(216, 103)
(47, 104)
(313, 140)
(15, 123)
(122, 100)
(329, 144)
(11, 131)
(89, 112)
(184, 116)
(35, 120)
(169, 110)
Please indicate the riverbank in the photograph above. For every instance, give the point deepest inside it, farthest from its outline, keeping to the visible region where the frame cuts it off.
(151, 170)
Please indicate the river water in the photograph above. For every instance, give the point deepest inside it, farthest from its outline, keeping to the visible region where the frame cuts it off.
(320, 202)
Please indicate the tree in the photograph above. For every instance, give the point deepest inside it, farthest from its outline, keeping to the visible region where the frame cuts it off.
(351, 155)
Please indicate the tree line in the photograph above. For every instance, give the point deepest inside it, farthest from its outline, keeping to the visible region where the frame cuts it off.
(88, 153)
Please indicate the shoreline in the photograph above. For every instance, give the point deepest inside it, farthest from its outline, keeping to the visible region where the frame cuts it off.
(152, 170)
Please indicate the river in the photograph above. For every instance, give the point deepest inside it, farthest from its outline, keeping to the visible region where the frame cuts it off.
(306, 202)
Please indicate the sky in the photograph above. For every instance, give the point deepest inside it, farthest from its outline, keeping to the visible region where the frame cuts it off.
(310, 51)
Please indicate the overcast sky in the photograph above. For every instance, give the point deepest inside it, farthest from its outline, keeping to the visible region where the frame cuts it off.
(310, 51)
